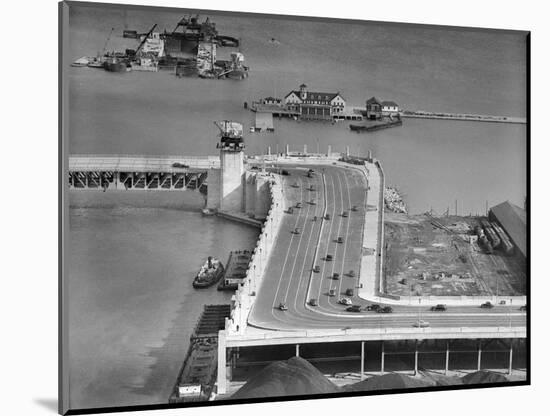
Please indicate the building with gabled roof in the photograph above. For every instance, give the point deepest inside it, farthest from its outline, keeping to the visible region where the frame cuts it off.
(374, 108)
(315, 105)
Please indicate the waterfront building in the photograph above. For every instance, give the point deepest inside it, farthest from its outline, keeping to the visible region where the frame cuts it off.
(315, 105)
(272, 101)
(374, 109)
(389, 108)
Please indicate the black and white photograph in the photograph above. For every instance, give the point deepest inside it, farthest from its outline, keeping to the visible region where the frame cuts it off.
(277, 207)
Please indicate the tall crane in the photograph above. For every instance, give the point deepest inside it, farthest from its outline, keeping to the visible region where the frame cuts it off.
(107, 41)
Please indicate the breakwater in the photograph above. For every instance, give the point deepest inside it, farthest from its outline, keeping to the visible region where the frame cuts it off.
(464, 117)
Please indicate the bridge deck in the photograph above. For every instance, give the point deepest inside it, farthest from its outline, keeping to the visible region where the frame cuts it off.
(137, 163)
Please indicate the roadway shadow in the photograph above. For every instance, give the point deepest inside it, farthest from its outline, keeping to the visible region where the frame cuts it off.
(48, 404)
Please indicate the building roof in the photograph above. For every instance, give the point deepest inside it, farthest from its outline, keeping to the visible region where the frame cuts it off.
(321, 97)
(389, 104)
(514, 221)
(373, 100)
(303, 86)
(271, 99)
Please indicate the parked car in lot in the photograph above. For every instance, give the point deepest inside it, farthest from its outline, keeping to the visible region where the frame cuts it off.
(332, 292)
(340, 240)
(311, 171)
(385, 309)
(316, 269)
(328, 257)
(354, 308)
(336, 276)
(344, 301)
(374, 307)
(349, 292)
(283, 307)
(439, 307)
(487, 305)
(421, 324)
(313, 302)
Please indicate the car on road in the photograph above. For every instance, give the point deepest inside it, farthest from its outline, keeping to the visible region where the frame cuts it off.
(254, 168)
(345, 301)
(316, 269)
(298, 205)
(385, 309)
(312, 202)
(328, 257)
(486, 305)
(332, 292)
(336, 276)
(311, 171)
(295, 185)
(285, 172)
(313, 302)
(349, 292)
(180, 165)
(354, 308)
(523, 308)
(290, 210)
(311, 188)
(345, 214)
(354, 208)
(421, 324)
(283, 307)
(438, 307)
(351, 273)
(296, 231)
(340, 240)
(374, 307)
(327, 217)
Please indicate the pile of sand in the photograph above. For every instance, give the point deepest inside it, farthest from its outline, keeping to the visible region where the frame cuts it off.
(286, 378)
(479, 377)
(388, 381)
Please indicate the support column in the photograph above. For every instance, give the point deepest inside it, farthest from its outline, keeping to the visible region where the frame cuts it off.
(329, 150)
(415, 357)
(222, 371)
(297, 350)
(447, 358)
(479, 355)
(382, 362)
(305, 149)
(286, 150)
(362, 360)
(511, 357)
(269, 150)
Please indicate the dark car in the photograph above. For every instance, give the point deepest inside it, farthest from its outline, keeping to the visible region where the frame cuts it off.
(296, 231)
(439, 307)
(283, 307)
(487, 305)
(351, 273)
(349, 292)
(354, 208)
(313, 302)
(295, 185)
(298, 205)
(327, 217)
(385, 309)
(354, 308)
(336, 276)
(254, 168)
(290, 210)
(311, 188)
(316, 269)
(345, 214)
(180, 165)
(328, 257)
(340, 240)
(374, 307)
(285, 173)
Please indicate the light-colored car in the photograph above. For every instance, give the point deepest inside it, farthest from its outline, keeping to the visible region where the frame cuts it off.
(421, 324)
(345, 301)
(283, 307)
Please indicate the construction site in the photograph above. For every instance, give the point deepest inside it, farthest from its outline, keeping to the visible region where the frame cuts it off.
(450, 256)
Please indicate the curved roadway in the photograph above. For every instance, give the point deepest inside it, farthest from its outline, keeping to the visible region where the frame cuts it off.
(289, 275)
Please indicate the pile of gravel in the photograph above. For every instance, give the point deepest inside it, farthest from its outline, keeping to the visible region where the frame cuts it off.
(286, 378)
(388, 381)
(484, 376)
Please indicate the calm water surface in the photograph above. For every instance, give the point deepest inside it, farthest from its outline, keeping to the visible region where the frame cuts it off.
(132, 258)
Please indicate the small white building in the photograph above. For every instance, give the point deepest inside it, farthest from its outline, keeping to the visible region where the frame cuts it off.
(389, 108)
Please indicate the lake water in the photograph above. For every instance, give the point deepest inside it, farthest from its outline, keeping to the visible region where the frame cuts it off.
(132, 258)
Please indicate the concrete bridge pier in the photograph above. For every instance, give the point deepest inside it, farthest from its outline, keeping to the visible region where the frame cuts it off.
(362, 360)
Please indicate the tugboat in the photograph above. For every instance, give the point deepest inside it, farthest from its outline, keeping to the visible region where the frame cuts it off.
(209, 274)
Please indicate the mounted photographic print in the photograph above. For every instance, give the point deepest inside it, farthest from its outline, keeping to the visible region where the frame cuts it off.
(263, 207)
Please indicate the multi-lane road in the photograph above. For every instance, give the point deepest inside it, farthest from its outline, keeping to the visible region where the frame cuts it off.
(306, 239)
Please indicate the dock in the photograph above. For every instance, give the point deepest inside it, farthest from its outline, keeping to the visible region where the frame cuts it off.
(236, 268)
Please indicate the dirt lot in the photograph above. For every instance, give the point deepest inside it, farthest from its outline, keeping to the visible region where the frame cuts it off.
(424, 258)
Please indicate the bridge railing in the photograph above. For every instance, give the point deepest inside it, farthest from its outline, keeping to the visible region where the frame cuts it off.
(245, 295)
